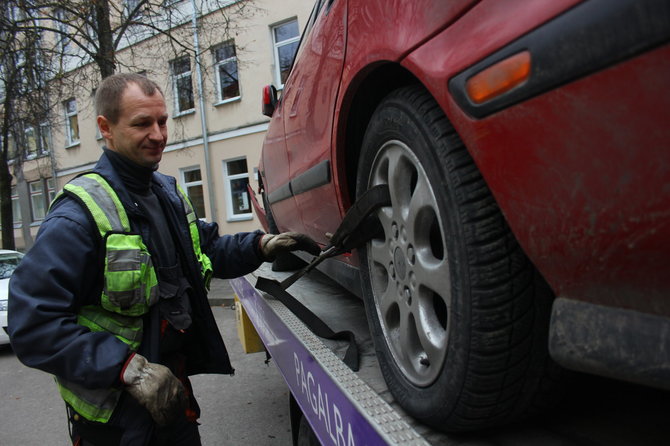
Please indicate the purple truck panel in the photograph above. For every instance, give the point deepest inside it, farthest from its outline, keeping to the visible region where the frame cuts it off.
(333, 417)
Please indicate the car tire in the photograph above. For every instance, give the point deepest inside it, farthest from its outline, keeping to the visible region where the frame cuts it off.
(458, 314)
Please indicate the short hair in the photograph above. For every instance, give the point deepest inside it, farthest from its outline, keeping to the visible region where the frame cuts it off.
(110, 90)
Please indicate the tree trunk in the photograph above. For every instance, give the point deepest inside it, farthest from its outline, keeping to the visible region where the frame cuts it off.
(26, 213)
(6, 214)
(106, 55)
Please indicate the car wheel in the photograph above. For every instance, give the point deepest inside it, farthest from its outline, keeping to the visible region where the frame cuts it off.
(458, 314)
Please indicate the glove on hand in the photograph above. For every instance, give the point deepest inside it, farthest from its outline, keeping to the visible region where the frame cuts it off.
(154, 387)
(273, 244)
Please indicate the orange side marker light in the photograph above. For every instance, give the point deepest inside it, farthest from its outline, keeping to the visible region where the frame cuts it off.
(499, 78)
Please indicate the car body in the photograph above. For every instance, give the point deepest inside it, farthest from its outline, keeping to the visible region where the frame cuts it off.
(9, 260)
(571, 146)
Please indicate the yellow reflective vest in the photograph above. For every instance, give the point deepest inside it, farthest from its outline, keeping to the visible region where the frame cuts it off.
(130, 285)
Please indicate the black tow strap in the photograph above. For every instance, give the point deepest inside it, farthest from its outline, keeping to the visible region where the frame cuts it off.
(316, 325)
(357, 227)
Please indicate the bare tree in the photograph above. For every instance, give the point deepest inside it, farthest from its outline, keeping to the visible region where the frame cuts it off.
(96, 30)
(24, 93)
(44, 43)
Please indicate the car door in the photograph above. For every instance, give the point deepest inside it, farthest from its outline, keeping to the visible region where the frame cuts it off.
(275, 173)
(309, 102)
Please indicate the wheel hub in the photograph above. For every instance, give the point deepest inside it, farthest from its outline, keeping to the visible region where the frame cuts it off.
(400, 263)
(411, 283)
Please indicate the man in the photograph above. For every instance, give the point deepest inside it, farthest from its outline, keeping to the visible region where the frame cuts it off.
(111, 299)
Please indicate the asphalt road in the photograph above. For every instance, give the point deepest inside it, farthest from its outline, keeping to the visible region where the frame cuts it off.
(250, 408)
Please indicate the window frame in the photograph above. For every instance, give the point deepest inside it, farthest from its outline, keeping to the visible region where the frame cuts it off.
(186, 184)
(51, 191)
(217, 73)
(227, 180)
(16, 206)
(44, 139)
(31, 154)
(41, 138)
(34, 201)
(71, 142)
(275, 48)
(175, 85)
(63, 28)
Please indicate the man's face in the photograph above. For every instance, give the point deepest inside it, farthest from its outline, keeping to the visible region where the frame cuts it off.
(141, 131)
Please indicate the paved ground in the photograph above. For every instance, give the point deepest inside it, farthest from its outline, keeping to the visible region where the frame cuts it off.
(220, 292)
(250, 408)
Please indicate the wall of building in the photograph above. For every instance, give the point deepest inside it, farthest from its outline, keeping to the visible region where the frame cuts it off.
(235, 128)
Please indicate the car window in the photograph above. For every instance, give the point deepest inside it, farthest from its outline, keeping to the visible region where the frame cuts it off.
(8, 264)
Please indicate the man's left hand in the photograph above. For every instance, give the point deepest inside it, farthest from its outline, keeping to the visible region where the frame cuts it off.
(272, 245)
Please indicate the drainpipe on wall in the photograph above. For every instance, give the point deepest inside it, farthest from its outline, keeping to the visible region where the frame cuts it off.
(203, 115)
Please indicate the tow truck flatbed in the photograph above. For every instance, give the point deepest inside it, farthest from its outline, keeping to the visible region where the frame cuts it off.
(346, 408)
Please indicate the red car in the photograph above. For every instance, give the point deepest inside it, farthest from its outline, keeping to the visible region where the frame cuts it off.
(525, 144)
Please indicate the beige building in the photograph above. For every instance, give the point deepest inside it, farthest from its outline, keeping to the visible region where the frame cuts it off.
(221, 101)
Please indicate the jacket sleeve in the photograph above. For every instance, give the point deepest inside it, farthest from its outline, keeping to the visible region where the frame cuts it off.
(59, 274)
(231, 255)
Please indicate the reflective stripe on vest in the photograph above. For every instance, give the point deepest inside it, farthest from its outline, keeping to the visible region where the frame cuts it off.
(98, 404)
(205, 262)
(92, 404)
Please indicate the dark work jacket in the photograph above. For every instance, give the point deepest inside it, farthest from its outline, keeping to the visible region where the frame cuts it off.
(63, 271)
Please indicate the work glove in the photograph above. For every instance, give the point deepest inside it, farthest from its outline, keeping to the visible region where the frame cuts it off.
(155, 388)
(272, 245)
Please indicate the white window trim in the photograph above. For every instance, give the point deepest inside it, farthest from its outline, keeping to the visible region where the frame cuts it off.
(33, 155)
(185, 184)
(228, 101)
(217, 63)
(44, 135)
(32, 195)
(276, 45)
(61, 25)
(51, 191)
(175, 89)
(231, 217)
(15, 198)
(68, 130)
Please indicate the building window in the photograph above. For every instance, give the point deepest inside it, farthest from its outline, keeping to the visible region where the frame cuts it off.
(225, 60)
(36, 140)
(63, 30)
(285, 38)
(37, 200)
(237, 198)
(182, 85)
(11, 147)
(44, 139)
(16, 206)
(51, 191)
(71, 122)
(192, 184)
(31, 142)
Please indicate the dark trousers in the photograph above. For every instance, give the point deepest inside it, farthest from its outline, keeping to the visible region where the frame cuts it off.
(131, 425)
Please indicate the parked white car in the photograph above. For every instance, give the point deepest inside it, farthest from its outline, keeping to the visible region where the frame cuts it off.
(9, 260)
